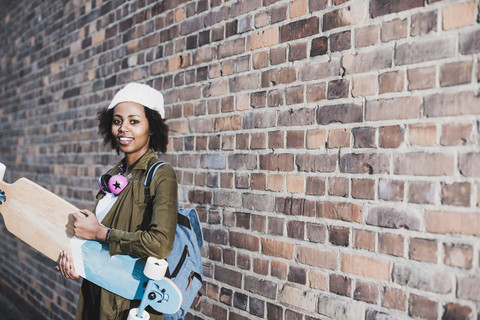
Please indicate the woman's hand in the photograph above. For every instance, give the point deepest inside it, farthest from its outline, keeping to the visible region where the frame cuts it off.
(66, 267)
(86, 226)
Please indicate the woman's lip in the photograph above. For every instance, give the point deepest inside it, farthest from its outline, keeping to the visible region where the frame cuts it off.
(124, 140)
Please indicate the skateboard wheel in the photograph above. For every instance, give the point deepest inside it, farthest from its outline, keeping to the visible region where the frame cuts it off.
(155, 268)
(132, 315)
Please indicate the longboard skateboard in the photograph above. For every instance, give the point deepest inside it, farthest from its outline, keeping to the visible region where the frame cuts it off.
(44, 221)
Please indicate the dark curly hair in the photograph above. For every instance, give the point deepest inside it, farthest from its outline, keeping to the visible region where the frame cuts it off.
(158, 127)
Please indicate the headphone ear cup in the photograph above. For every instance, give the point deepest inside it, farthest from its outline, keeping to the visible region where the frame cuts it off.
(117, 184)
(103, 183)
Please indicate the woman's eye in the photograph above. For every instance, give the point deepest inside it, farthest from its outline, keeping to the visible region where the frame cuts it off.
(134, 122)
(116, 122)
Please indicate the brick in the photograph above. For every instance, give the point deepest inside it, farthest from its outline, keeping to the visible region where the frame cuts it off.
(298, 8)
(421, 78)
(468, 288)
(364, 163)
(456, 73)
(319, 70)
(458, 255)
(295, 95)
(256, 120)
(394, 218)
(228, 123)
(298, 298)
(276, 139)
(456, 134)
(423, 134)
(316, 163)
(229, 276)
(244, 82)
(277, 162)
(422, 307)
(338, 89)
(318, 280)
(452, 222)
(365, 266)
(297, 275)
(363, 189)
(469, 42)
(299, 29)
(279, 269)
(366, 36)
(384, 7)
(391, 81)
(468, 164)
(297, 51)
(244, 241)
(391, 136)
(425, 50)
(340, 285)
(296, 117)
(315, 186)
(423, 23)
(391, 190)
(391, 244)
(335, 308)
(264, 288)
(456, 194)
(423, 164)
(394, 298)
(342, 113)
(276, 248)
(296, 230)
(278, 55)
(278, 13)
(364, 86)
(456, 311)
(316, 233)
(394, 30)
(316, 139)
(274, 77)
(458, 15)
(338, 138)
(317, 5)
(423, 250)
(423, 277)
(258, 202)
(339, 236)
(295, 206)
(319, 46)
(338, 186)
(394, 108)
(346, 16)
(372, 60)
(366, 292)
(340, 211)
(295, 183)
(340, 41)
(364, 239)
(263, 39)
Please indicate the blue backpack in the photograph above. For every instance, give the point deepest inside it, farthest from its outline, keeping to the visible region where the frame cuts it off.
(185, 267)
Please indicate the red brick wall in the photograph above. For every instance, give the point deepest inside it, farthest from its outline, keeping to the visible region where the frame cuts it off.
(331, 146)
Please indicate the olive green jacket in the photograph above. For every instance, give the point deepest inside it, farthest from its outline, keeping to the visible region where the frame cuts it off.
(137, 232)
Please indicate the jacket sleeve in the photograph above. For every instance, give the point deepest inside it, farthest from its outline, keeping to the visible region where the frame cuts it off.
(157, 238)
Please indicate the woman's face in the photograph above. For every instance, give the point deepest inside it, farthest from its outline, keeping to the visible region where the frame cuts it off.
(131, 130)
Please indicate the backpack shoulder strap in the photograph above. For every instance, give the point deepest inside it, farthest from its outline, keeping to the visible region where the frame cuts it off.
(148, 180)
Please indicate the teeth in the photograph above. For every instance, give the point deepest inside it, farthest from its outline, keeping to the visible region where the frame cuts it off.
(126, 139)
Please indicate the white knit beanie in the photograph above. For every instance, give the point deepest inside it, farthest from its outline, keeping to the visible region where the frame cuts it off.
(141, 94)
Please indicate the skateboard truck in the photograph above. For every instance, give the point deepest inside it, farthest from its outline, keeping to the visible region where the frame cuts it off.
(154, 270)
(3, 198)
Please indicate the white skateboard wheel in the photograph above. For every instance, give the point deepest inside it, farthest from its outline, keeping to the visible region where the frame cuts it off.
(155, 268)
(132, 315)
(2, 171)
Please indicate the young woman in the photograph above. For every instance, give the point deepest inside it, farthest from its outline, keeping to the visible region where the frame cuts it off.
(133, 124)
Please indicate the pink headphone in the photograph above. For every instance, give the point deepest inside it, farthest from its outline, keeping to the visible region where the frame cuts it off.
(113, 184)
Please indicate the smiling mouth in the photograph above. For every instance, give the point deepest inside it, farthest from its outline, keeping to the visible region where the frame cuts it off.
(125, 140)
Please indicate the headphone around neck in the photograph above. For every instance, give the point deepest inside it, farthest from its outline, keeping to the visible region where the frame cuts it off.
(114, 184)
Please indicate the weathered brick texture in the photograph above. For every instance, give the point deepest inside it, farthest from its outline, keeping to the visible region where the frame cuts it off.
(331, 147)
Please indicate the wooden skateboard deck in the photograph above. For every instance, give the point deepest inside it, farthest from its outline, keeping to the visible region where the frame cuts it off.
(45, 222)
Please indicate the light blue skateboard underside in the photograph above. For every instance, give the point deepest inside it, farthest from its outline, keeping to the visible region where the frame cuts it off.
(121, 274)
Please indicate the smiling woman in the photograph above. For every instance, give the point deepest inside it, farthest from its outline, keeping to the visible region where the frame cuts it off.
(132, 124)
